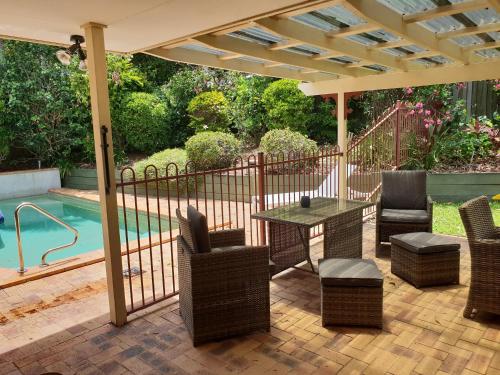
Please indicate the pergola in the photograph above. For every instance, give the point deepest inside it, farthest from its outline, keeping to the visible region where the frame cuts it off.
(335, 47)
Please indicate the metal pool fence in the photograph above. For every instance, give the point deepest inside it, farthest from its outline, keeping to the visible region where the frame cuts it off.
(229, 196)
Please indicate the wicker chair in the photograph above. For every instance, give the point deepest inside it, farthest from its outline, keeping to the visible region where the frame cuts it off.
(403, 207)
(484, 244)
(223, 292)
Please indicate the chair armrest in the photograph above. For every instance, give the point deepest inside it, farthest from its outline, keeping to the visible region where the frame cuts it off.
(497, 232)
(228, 237)
(430, 205)
(492, 245)
(378, 206)
(221, 267)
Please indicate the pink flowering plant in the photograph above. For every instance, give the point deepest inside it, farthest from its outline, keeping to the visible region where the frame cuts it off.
(438, 112)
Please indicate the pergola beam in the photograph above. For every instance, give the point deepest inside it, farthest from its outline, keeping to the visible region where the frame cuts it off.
(394, 44)
(431, 76)
(206, 59)
(315, 37)
(479, 47)
(315, 6)
(420, 55)
(495, 4)
(284, 45)
(391, 21)
(472, 30)
(326, 55)
(446, 10)
(230, 56)
(235, 45)
(352, 30)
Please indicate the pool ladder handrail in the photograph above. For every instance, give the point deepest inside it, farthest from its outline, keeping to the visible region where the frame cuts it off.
(17, 221)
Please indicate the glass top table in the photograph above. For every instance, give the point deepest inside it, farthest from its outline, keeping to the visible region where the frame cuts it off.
(320, 211)
(289, 230)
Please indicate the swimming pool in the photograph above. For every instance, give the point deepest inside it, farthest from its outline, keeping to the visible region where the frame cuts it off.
(39, 233)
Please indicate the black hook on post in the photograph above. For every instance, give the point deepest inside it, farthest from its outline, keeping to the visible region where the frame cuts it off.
(104, 147)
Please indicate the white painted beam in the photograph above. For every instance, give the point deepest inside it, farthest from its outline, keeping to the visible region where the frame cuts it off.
(234, 45)
(394, 44)
(352, 30)
(430, 76)
(308, 35)
(420, 55)
(482, 46)
(490, 27)
(446, 10)
(391, 21)
(205, 59)
(284, 45)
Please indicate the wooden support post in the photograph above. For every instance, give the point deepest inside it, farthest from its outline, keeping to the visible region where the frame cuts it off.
(261, 186)
(397, 135)
(342, 142)
(101, 120)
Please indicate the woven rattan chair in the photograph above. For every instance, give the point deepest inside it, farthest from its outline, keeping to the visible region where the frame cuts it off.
(484, 244)
(403, 207)
(224, 291)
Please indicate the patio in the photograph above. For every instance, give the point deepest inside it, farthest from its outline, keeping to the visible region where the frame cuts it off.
(83, 321)
(65, 329)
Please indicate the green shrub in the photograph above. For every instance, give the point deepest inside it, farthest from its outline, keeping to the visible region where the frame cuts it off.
(143, 122)
(209, 111)
(248, 111)
(212, 150)
(160, 160)
(462, 147)
(286, 141)
(287, 106)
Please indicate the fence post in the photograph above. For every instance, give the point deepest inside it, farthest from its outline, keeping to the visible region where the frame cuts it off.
(397, 134)
(261, 186)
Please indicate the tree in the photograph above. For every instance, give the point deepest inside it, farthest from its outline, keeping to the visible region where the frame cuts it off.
(249, 113)
(41, 112)
(287, 106)
(123, 79)
(209, 111)
(144, 122)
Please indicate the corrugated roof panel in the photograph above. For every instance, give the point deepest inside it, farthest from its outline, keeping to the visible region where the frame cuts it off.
(362, 39)
(253, 59)
(478, 17)
(408, 6)
(342, 14)
(305, 49)
(467, 40)
(257, 35)
(199, 48)
(489, 53)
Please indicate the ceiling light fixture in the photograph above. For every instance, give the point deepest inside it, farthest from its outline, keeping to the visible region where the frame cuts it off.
(65, 55)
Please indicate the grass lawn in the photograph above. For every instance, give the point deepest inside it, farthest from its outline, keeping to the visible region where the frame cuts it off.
(447, 220)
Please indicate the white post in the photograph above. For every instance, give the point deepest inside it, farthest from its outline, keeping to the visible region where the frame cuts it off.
(342, 142)
(101, 120)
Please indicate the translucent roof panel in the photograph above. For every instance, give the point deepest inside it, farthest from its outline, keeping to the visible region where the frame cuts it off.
(489, 53)
(305, 49)
(328, 19)
(196, 47)
(253, 59)
(255, 34)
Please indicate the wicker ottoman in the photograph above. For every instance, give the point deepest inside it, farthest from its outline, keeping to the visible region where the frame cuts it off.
(425, 259)
(351, 292)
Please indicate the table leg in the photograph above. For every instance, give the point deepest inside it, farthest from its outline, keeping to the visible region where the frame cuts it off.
(307, 247)
(343, 236)
(287, 245)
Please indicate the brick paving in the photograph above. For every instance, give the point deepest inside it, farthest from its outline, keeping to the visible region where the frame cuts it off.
(59, 324)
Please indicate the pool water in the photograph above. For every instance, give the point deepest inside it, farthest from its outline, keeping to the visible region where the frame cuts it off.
(39, 233)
